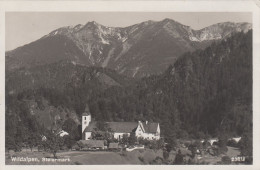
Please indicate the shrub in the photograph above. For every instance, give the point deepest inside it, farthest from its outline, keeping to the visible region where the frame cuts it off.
(206, 144)
(157, 161)
(232, 143)
(246, 145)
(76, 147)
(179, 158)
(215, 143)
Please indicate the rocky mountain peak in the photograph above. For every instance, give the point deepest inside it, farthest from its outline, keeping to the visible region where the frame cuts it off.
(138, 50)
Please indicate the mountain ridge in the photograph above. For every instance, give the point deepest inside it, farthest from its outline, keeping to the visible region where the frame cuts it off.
(138, 50)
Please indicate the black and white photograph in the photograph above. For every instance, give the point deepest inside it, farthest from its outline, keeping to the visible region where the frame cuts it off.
(128, 88)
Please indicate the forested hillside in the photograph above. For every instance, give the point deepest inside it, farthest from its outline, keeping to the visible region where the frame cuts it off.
(206, 92)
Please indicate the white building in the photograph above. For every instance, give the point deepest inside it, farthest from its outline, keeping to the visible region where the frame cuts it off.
(63, 133)
(146, 130)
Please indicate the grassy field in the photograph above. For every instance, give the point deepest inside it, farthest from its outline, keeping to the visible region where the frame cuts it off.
(86, 157)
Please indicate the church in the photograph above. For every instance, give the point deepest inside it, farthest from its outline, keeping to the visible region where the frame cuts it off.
(145, 130)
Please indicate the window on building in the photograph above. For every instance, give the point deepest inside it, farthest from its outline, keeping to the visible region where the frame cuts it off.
(85, 118)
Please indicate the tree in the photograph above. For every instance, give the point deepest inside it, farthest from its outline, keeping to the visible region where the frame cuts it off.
(179, 158)
(69, 141)
(157, 144)
(10, 143)
(71, 127)
(222, 143)
(194, 147)
(132, 139)
(124, 139)
(33, 140)
(246, 147)
(54, 142)
(171, 144)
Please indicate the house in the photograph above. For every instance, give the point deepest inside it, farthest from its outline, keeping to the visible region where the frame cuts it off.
(63, 133)
(211, 141)
(113, 146)
(146, 130)
(237, 139)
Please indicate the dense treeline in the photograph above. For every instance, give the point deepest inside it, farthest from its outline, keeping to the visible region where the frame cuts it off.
(205, 93)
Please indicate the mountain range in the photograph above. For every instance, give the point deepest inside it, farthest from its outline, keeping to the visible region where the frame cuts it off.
(136, 51)
(193, 82)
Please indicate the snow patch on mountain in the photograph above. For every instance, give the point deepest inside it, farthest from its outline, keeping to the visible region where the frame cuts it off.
(103, 40)
(110, 53)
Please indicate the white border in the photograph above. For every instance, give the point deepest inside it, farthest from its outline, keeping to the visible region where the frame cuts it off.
(137, 6)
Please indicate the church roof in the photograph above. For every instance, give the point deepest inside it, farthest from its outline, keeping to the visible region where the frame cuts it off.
(85, 114)
(125, 127)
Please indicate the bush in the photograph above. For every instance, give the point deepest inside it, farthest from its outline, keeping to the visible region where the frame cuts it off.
(215, 143)
(157, 161)
(246, 145)
(187, 144)
(191, 161)
(232, 143)
(76, 147)
(205, 145)
(179, 158)
(220, 150)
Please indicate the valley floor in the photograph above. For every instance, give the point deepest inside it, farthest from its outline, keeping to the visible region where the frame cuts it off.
(136, 157)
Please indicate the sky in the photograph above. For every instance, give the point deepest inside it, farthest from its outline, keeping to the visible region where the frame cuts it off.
(24, 27)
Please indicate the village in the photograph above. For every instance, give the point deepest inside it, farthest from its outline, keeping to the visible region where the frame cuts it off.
(131, 143)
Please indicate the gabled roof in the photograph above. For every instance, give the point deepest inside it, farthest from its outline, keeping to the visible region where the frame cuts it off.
(113, 145)
(125, 127)
(150, 127)
(120, 127)
(92, 143)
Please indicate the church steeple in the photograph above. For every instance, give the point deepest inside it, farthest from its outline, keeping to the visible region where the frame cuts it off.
(86, 118)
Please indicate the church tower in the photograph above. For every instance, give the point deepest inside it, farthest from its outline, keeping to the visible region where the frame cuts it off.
(86, 118)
